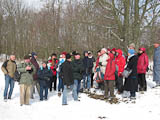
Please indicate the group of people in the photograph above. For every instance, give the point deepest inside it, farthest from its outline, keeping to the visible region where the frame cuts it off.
(111, 70)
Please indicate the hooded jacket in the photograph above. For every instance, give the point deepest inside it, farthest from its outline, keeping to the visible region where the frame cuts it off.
(120, 62)
(143, 62)
(110, 68)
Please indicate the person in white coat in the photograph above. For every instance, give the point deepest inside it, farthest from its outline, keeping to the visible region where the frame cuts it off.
(102, 63)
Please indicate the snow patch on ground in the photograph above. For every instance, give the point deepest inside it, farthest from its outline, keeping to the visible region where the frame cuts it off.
(146, 107)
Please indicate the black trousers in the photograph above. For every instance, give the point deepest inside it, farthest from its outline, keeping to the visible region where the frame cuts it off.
(120, 84)
(53, 79)
(142, 82)
(92, 80)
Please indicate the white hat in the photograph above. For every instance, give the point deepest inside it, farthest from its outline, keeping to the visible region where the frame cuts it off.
(104, 49)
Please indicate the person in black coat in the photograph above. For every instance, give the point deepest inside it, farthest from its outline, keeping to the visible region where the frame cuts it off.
(44, 76)
(88, 65)
(67, 76)
(78, 70)
(131, 83)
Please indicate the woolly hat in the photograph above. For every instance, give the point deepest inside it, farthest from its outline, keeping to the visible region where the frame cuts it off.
(114, 49)
(64, 53)
(34, 54)
(68, 56)
(131, 51)
(104, 49)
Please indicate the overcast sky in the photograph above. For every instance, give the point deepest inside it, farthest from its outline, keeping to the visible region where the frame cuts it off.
(34, 3)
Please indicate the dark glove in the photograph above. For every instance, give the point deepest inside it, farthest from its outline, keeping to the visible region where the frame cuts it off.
(100, 63)
(147, 69)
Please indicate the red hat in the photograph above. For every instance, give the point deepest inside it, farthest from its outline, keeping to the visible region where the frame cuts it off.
(114, 49)
(64, 53)
(109, 50)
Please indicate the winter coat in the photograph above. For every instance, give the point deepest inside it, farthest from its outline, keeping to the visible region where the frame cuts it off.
(88, 65)
(9, 67)
(67, 73)
(44, 76)
(53, 67)
(156, 65)
(131, 83)
(36, 65)
(120, 62)
(78, 69)
(110, 68)
(142, 62)
(26, 76)
(103, 59)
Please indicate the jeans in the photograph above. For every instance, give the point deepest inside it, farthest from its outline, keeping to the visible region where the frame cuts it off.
(76, 88)
(87, 81)
(60, 85)
(8, 82)
(43, 88)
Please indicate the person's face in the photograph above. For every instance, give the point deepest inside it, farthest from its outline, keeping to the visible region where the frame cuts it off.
(130, 47)
(53, 57)
(102, 52)
(156, 45)
(13, 57)
(140, 51)
(99, 53)
(27, 60)
(86, 54)
(44, 65)
(113, 52)
(77, 57)
(63, 56)
(35, 56)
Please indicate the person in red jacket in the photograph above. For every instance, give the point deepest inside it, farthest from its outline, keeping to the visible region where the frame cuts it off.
(109, 77)
(120, 64)
(53, 66)
(142, 67)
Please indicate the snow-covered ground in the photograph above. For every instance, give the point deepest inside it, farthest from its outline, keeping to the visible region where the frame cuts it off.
(147, 107)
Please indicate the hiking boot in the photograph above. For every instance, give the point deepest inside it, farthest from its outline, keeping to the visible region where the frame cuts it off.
(9, 98)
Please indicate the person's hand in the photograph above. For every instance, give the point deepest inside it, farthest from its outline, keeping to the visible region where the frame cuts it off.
(28, 68)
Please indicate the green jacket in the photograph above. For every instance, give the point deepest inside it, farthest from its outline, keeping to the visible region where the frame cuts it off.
(78, 69)
(26, 76)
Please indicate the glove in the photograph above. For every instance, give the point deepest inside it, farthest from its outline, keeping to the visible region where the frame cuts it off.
(100, 63)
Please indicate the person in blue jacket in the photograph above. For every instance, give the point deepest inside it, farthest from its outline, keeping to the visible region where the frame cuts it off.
(156, 63)
(44, 76)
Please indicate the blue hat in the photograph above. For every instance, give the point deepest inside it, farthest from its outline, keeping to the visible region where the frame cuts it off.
(131, 51)
(34, 54)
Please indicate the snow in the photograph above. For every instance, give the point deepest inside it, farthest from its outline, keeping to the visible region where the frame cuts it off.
(147, 107)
